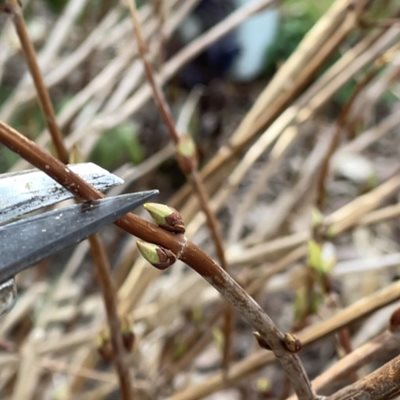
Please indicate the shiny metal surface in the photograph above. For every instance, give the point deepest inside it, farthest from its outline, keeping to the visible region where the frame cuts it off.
(8, 295)
(26, 191)
(28, 241)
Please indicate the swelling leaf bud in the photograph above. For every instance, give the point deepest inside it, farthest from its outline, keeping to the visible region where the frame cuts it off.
(104, 346)
(158, 256)
(186, 154)
(166, 217)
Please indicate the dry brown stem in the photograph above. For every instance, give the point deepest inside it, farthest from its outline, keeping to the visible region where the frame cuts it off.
(382, 384)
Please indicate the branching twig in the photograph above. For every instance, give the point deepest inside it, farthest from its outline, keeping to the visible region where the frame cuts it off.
(186, 251)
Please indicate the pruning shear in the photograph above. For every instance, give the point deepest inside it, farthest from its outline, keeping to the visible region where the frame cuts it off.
(26, 241)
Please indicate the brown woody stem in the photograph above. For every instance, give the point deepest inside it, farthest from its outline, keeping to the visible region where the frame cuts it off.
(186, 251)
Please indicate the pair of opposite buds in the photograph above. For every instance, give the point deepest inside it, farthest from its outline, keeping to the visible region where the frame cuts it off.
(169, 219)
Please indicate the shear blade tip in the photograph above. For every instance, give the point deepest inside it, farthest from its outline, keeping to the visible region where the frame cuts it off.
(132, 200)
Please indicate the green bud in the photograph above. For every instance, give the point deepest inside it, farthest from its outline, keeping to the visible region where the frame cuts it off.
(264, 385)
(218, 338)
(328, 257)
(158, 256)
(104, 346)
(166, 217)
(186, 154)
(321, 257)
(186, 146)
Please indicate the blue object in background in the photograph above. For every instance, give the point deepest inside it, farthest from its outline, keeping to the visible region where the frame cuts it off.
(253, 38)
(239, 55)
(217, 59)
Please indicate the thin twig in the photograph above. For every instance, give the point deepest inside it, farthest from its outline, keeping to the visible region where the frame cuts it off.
(168, 119)
(14, 9)
(107, 288)
(191, 171)
(159, 97)
(159, 9)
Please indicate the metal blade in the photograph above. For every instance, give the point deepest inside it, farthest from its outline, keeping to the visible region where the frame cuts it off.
(26, 191)
(26, 242)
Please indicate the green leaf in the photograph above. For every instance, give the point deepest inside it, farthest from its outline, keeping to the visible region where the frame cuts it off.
(118, 145)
